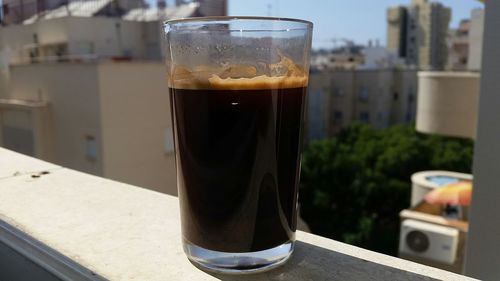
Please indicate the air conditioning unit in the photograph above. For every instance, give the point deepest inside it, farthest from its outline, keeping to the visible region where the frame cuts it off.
(428, 241)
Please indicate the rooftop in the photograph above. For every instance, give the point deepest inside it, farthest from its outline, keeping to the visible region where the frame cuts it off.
(78, 8)
(78, 226)
(155, 14)
(91, 8)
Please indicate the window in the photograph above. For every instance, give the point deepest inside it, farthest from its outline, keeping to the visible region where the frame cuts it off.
(5, 8)
(338, 92)
(380, 116)
(411, 95)
(337, 117)
(364, 116)
(17, 131)
(363, 94)
(90, 147)
(381, 92)
(411, 98)
(18, 139)
(408, 117)
(413, 24)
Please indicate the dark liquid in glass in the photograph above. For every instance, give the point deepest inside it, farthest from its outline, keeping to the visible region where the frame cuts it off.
(238, 161)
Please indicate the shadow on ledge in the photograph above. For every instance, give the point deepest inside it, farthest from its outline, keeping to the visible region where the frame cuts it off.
(310, 262)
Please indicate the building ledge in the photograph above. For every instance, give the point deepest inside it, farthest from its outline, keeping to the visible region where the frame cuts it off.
(21, 104)
(450, 74)
(82, 227)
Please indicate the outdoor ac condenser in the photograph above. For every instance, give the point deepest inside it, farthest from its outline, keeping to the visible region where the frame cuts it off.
(428, 241)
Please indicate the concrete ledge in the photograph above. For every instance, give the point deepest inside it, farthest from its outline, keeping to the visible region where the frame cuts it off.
(449, 74)
(82, 227)
(42, 255)
(14, 164)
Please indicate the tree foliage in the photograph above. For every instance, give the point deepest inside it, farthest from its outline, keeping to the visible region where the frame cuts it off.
(353, 186)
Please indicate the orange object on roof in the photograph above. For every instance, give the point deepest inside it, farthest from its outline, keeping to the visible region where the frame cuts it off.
(458, 193)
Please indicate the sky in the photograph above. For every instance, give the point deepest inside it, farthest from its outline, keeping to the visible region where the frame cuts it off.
(359, 20)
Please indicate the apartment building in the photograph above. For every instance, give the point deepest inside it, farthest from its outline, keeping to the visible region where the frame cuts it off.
(28, 11)
(418, 32)
(88, 91)
(379, 97)
(110, 119)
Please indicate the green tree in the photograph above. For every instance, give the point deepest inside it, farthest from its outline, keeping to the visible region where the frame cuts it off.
(353, 186)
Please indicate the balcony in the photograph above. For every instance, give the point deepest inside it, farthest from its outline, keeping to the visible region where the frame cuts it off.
(448, 103)
(57, 223)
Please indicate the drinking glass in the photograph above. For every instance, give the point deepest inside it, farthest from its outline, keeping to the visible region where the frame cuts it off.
(237, 94)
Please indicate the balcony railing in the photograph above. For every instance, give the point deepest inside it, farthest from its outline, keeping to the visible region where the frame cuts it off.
(75, 226)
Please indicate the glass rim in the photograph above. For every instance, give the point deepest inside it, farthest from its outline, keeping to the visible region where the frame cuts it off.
(308, 24)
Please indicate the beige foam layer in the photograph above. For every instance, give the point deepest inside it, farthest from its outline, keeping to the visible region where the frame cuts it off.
(284, 74)
(258, 82)
(214, 81)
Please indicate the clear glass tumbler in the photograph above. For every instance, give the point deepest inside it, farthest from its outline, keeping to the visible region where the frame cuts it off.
(237, 93)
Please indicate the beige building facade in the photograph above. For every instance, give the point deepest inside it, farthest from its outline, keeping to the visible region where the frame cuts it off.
(87, 116)
(379, 97)
(85, 88)
(77, 38)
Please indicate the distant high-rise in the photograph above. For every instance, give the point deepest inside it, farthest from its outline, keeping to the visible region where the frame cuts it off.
(418, 33)
(213, 7)
(476, 39)
(397, 20)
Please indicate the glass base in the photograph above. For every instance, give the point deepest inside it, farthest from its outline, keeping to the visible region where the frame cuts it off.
(238, 263)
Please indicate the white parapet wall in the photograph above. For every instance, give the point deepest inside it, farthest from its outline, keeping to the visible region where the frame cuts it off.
(82, 227)
(448, 103)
